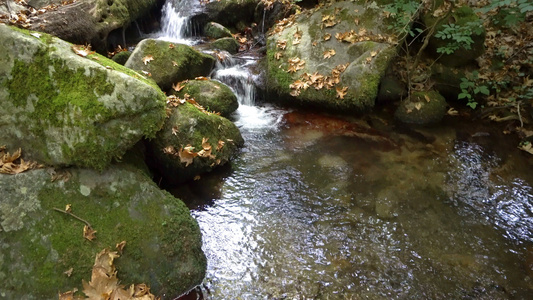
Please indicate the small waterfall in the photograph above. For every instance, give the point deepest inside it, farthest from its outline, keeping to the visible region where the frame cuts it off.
(176, 24)
(233, 71)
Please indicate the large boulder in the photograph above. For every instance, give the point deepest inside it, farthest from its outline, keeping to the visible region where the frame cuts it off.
(211, 94)
(332, 57)
(193, 142)
(63, 109)
(228, 44)
(169, 63)
(43, 251)
(228, 12)
(91, 21)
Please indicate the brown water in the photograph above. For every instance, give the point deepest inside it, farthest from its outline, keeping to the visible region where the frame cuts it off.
(317, 207)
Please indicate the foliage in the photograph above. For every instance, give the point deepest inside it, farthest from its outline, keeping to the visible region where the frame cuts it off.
(508, 12)
(403, 12)
(458, 36)
(469, 89)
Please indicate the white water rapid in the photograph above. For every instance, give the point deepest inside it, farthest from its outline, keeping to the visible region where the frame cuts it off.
(176, 24)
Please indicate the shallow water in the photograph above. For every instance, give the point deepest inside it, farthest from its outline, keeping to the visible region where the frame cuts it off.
(318, 207)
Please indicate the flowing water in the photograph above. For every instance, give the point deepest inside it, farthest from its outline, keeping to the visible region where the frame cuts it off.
(327, 207)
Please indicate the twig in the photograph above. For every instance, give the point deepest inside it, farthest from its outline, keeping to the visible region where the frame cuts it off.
(519, 115)
(73, 215)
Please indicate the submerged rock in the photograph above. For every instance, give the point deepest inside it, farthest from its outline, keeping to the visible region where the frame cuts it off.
(422, 108)
(168, 63)
(63, 109)
(193, 142)
(40, 244)
(326, 59)
(213, 95)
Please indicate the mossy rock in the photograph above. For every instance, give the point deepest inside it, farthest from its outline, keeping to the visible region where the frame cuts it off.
(391, 89)
(170, 62)
(366, 61)
(227, 44)
(91, 21)
(212, 95)
(122, 57)
(229, 12)
(63, 109)
(188, 126)
(214, 30)
(459, 16)
(422, 108)
(448, 79)
(163, 241)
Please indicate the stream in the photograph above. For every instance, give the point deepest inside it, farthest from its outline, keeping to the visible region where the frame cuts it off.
(318, 206)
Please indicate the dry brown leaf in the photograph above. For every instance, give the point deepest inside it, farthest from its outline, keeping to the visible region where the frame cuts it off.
(220, 145)
(147, 59)
(187, 155)
(69, 272)
(174, 64)
(418, 105)
(179, 86)
(329, 53)
(81, 50)
(68, 208)
(89, 233)
(171, 46)
(201, 78)
(327, 37)
(278, 55)
(341, 92)
(281, 44)
(120, 246)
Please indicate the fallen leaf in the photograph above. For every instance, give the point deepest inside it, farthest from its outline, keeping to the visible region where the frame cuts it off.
(526, 146)
(120, 246)
(341, 92)
(197, 177)
(179, 86)
(418, 106)
(89, 233)
(35, 34)
(327, 37)
(187, 155)
(174, 64)
(427, 98)
(329, 53)
(147, 59)
(68, 208)
(220, 145)
(201, 78)
(171, 46)
(69, 272)
(452, 112)
(175, 130)
(281, 44)
(81, 50)
(278, 55)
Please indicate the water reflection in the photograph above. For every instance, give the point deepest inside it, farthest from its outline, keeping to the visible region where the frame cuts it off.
(311, 214)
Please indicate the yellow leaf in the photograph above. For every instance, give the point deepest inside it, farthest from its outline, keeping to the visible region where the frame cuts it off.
(68, 208)
(147, 59)
(373, 53)
(418, 106)
(89, 233)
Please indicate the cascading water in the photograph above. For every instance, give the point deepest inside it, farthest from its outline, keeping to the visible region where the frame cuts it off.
(176, 24)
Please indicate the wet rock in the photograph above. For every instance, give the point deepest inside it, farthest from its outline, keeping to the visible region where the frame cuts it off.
(63, 109)
(38, 244)
(214, 30)
(266, 17)
(91, 21)
(346, 74)
(391, 89)
(212, 95)
(227, 44)
(193, 142)
(422, 108)
(169, 63)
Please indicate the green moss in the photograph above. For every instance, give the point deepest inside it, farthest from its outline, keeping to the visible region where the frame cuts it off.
(113, 215)
(278, 76)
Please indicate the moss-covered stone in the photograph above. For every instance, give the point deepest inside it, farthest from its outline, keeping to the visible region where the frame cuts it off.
(63, 109)
(460, 16)
(189, 126)
(163, 242)
(122, 57)
(227, 44)
(365, 61)
(171, 63)
(422, 108)
(214, 30)
(230, 12)
(213, 95)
